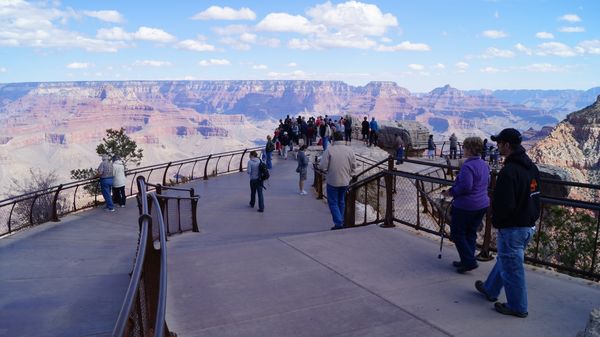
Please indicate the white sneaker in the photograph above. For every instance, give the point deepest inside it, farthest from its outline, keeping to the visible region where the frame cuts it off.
(303, 193)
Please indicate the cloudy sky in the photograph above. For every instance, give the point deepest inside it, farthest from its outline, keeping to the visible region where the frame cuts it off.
(420, 44)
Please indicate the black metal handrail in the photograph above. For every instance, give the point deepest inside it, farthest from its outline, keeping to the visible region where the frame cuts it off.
(146, 298)
(50, 204)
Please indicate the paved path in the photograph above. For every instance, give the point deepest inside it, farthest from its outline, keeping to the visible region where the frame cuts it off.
(278, 273)
(283, 273)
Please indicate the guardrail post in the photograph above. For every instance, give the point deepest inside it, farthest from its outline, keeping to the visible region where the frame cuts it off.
(389, 200)
(165, 174)
(319, 185)
(206, 167)
(194, 217)
(485, 254)
(54, 204)
(242, 160)
(350, 209)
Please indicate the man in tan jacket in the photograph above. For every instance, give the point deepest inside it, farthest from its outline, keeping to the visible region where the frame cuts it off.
(339, 163)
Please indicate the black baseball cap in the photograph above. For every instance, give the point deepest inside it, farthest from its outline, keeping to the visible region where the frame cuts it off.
(510, 135)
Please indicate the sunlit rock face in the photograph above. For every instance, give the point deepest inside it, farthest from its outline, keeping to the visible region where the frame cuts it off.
(574, 145)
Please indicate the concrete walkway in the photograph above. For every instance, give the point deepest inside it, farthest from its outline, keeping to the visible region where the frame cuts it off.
(283, 273)
(278, 273)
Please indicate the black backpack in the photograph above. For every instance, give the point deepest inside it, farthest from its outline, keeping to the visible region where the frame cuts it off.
(263, 171)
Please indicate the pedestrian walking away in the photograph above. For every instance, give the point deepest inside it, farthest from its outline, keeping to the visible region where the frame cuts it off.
(340, 163)
(256, 184)
(302, 168)
(515, 209)
(118, 186)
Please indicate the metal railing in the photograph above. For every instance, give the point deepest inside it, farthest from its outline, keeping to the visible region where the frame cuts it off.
(177, 206)
(144, 309)
(50, 204)
(567, 236)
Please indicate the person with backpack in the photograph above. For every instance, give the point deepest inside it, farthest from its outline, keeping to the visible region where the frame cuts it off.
(256, 183)
(302, 168)
(269, 148)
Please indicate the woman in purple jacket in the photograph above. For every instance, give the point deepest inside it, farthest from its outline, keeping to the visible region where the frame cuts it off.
(470, 203)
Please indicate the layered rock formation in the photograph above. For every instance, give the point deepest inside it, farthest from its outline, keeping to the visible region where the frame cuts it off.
(574, 144)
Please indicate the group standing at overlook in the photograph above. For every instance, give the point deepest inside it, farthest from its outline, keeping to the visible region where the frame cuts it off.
(514, 211)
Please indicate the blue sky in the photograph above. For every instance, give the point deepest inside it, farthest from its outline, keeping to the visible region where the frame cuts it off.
(502, 44)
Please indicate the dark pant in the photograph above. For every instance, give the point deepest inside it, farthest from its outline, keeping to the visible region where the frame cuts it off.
(256, 187)
(464, 233)
(400, 155)
(453, 153)
(119, 195)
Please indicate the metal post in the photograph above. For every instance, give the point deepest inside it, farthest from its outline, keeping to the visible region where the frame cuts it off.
(485, 254)
(389, 201)
(242, 160)
(206, 167)
(164, 180)
(54, 204)
(350, 209)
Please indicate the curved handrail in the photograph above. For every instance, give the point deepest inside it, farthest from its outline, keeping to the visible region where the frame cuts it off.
(144, 274)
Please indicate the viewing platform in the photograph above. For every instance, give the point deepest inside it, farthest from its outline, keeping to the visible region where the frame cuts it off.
(277, 273)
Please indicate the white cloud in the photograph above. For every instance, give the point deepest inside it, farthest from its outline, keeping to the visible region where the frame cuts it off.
(108, 15)
(151, 63)
(353, 17)
(554, 49)
(248, 37)
(439, 66)
(589, 47)
(294, 75)
(153, 34)
(214, 62)
(497, 15)
(232, 29)
(543, 68)
(41, 25)
(303, 44)
(225, 13)
(489, 70)
(544, 35)
(234, 43)
(404, 46)
(415, 66)
(523, 49)
(195, 45)
(2, 70)
(259, 67)
(494, 34)
(462, 67)
(283, 22)
(292, 64)
(143, 33)
(571, 29)
(493, 52)
(385, 39)
(79, 65)
(570, 18)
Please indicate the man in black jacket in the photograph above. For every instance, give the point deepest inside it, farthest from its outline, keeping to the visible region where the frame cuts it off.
(515, 209)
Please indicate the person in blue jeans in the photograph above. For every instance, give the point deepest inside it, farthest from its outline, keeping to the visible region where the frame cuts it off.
(105, 173)
(269, 148)
(256, 185)
(470, 192)
(515, 209)
(340, 163)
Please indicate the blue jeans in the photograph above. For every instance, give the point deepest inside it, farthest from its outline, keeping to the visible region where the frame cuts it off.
(106, 187)
(399, 155)
(464, 227)
(269, 156)
(508, 272)
(336, 199)
(325, 143)
(256, 187)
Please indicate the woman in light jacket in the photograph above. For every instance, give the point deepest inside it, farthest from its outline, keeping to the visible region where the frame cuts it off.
(118, 187)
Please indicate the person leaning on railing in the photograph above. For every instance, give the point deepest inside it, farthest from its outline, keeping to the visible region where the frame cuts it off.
(105, 173)
(470, 203)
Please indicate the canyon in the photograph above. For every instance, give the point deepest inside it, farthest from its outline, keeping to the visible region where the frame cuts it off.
(57, 125)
